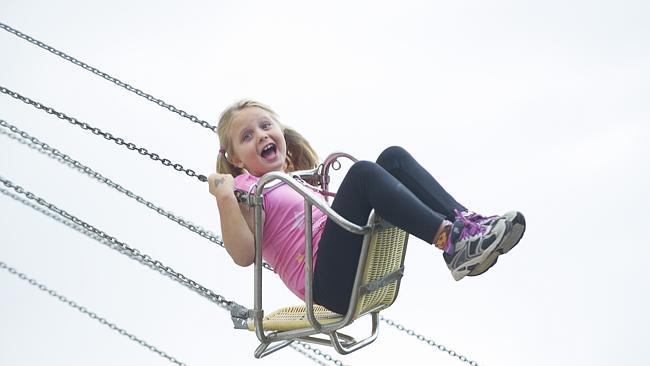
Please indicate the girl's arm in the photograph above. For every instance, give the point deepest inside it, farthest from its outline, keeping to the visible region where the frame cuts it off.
(236, 221)
(249, 216)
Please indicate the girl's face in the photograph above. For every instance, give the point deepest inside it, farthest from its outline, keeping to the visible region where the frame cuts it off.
(258, 142)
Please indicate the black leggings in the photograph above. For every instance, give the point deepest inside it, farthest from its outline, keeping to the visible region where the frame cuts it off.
(402, 192)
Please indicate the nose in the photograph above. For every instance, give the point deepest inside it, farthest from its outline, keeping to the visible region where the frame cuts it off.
(263, 135)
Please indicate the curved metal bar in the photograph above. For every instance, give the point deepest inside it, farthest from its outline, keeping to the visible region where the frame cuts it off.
(312, 198)
(341, 346)
(327, 163)
(266, 348)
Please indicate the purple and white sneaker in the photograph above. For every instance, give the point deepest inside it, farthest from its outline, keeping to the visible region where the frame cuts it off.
(518, 223)
(471, 243)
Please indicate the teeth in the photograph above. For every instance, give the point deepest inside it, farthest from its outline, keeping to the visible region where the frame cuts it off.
(268, 147)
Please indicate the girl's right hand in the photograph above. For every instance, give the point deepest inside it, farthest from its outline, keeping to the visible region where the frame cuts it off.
(221, 185)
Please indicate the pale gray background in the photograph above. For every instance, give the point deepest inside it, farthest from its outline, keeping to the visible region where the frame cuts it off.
(540, 107)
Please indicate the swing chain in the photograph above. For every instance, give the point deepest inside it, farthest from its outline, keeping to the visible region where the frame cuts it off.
(125, 249)
(44, 148)
(430, 342)
(85, 311)
(96, 237)
(108, 136)
(104, 75)
(143, 151)
(317, 352)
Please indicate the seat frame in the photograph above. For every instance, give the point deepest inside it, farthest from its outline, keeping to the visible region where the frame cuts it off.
(343, 343)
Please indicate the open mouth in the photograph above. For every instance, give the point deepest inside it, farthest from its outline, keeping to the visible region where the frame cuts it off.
(269, 152)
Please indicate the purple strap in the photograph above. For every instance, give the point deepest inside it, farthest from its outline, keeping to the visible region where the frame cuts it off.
(472, 225)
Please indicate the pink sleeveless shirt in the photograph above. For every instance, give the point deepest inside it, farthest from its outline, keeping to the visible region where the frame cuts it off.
(283, 236)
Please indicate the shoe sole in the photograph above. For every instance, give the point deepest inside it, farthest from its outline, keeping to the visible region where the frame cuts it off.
(459, 274)
(513, 238)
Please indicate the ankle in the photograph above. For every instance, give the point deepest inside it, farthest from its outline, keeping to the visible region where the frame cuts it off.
(441, 238)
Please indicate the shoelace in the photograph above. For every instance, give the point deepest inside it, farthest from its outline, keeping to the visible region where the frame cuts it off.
(472, 223)
(477, 218)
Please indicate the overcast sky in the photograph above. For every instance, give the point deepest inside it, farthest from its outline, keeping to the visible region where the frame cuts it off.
(540, 107)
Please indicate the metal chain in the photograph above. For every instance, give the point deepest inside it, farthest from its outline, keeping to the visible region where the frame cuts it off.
(107, 242)
(91, 314)
(104, 75)
(430, 342)
(45, 148)
(65, 158)
(125, 249)
(56, 217)
(144, 151)
(317, 352)
(34, 143)
(309, 356)
(54, 153)
(108, 136)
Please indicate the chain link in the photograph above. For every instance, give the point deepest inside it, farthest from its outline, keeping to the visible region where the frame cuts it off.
(317, 352)
(34, 143)
(306, 354)
(114, 80)
(55, 217)
(89, 313)
(125, 249)
(108, 136)
(428, 341)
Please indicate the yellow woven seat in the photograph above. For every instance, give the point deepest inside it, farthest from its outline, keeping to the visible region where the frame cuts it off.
(384, 258)
(295, 317)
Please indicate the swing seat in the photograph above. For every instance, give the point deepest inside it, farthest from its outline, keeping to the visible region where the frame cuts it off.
(376, 285)
(384, 259)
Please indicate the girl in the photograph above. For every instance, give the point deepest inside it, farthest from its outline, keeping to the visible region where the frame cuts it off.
(253, 142)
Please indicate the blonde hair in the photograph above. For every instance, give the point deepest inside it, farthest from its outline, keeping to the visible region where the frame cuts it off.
(300, 154)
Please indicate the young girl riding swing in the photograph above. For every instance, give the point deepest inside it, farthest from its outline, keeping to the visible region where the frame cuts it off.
(253, 143)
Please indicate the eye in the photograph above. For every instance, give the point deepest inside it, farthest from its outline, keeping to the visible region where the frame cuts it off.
(247, 136)
(266, 125)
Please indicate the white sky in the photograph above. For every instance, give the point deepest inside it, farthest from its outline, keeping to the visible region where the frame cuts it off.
(537, 107)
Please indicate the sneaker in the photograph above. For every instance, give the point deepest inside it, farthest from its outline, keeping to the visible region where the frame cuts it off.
(471, 243)
(518, 223)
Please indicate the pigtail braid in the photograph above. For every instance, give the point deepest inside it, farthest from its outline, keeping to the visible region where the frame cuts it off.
(300, 154)
(226, 167)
